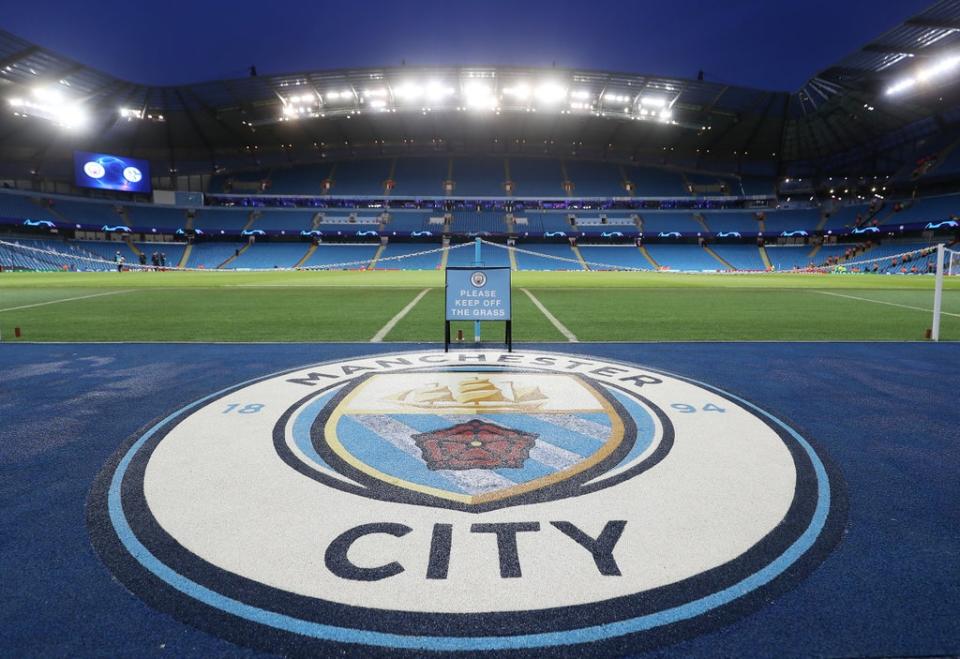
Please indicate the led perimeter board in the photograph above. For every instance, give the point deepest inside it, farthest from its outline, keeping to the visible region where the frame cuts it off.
(104, 171)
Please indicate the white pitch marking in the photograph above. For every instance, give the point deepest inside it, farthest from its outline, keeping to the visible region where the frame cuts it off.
(66, 299)
(553, 319)
(889, 304)
(378, 337)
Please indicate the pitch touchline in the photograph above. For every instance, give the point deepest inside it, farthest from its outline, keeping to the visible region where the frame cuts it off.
(378, 337)
(890, 304)
(66, 299)
(553, 319)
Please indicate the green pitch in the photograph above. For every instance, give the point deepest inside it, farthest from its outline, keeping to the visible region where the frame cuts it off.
(356, 306)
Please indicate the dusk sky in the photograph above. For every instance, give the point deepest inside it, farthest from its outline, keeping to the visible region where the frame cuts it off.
(770, 44)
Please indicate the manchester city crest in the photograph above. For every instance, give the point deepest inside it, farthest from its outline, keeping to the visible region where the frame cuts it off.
(462, 502)
(473, 440)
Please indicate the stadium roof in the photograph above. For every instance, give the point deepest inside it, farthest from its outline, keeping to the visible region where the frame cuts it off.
(273, 119)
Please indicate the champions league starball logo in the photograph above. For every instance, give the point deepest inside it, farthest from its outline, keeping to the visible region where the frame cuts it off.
(472, 501)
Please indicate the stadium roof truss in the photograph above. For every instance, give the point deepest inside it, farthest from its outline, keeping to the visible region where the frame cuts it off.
(271, 120)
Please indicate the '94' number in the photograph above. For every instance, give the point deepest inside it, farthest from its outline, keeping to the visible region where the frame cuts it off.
(684, 408)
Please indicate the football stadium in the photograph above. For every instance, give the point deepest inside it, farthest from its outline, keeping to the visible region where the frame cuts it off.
(440, 358)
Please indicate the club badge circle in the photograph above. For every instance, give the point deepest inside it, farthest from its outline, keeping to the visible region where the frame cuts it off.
(462, 502)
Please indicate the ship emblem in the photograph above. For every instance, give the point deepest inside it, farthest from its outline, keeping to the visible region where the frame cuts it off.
(473, 440)
(477, 392)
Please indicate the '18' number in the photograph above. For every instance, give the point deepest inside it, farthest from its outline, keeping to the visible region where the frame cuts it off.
(240, 408)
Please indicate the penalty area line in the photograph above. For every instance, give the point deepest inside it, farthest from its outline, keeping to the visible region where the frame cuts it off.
(66, 299)
(889, 304)
(379, 336)
(553, 319)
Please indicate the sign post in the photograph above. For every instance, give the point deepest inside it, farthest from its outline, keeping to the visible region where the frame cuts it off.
(478, 293)
(477, 261)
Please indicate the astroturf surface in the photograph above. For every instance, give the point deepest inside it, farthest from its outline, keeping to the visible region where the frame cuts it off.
(354, 306)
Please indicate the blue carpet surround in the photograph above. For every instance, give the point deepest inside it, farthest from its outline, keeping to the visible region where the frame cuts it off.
(883, 580)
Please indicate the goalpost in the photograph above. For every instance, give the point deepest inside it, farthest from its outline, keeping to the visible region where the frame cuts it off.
(948, 263)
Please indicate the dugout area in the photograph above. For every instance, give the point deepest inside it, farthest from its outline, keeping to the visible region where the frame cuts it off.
(882, 416)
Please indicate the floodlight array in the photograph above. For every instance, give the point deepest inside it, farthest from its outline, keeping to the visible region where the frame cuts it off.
(924, 76)
(137, 114)
(305, 103)
(480, 92)
(51, 104)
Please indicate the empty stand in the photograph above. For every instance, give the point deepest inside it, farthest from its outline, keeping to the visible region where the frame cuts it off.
(492, 256)
(85, 212)
(423, 262)
(627, 256)
(211, 255)
(653, 182)
(305, 179)
(595, 179)
(683, 257)
(532, 262)
(215, 219)
(361, 177)
(789, 257)
(285, 220)
(929, 209)
(655, 223)
(536, 178)
(327, 254)
(22, 207)
(270, 255)
(805, 219)
(478, 176)
(156, 217)
(741, 257)
(420, 176)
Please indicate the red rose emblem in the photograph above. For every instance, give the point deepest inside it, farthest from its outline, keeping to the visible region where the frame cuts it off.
(475, 445)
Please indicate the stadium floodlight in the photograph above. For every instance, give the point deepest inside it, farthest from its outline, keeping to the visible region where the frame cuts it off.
(48, 95)
(946, 65)
(666, 114)
(375, 93)
(580, 94)
(614, 98)
(408, 91)
(925, 74)
(653, 101)
(901, 86)
(550, 92)
(520, 91)
(436, 91)
(378, 104)
(50, 104)
(345, 95)
(479, 96)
